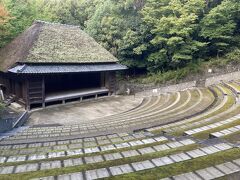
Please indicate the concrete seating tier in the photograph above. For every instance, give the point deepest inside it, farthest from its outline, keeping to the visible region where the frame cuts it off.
(211, 116)
(140, 165)
(233, 87)
(172, 101)
(208, 117)
(84, 148)
(225, 132)
(212, 126)
(132, 141)
(189, 108)
(81, 142)
(213, 172)
(96, 155)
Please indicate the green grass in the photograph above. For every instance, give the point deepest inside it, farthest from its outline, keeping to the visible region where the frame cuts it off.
(90, 154)
(205, 134)
(236, 86)
(225, 90)
(165, 115)
(25, 176)
(177, 107)
(221, 62)
(178, 111)
(206, 93)
(218, 92)
(172, 76)
(183, 167)
(227, 105)
(183, 98)
(1, 110)
(192, 69)
(233, 138)
(42, 148)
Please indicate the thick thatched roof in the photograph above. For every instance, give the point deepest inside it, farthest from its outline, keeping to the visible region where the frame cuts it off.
(53, 43)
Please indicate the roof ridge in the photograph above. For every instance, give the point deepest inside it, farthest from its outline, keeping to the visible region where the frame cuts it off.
(46, 42)
(55, 23)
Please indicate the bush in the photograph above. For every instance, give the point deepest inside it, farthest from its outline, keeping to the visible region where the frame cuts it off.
(1, 110)
(231, 57)
(172, 75)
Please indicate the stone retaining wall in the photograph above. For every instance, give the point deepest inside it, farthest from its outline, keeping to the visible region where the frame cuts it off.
(171, 88)
(224, 77)
(149, 90)
(7, 124)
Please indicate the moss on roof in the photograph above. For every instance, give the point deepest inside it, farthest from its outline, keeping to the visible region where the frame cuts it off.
(47, 42)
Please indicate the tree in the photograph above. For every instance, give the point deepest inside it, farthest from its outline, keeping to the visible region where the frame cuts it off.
(173, 24)
(24, 13)
(4, 18)
(4, 15)
(220, 25)
(158, 35)
(111, 23)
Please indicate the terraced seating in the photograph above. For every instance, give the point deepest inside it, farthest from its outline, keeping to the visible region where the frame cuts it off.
(212, 126)
(225, 132)
(77, 143)
(89, 150)
(85, 159)
(212, 172)
(151, 163)
(167, 114)
(164, 137)
(225, 109)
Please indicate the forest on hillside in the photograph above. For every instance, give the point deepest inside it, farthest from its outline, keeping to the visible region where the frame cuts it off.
(156, 35)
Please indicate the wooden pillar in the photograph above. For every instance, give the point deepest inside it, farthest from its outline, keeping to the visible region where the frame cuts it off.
(25, 92)
(111, 81)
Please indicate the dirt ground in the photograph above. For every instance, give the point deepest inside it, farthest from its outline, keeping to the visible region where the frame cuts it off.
(78, 112)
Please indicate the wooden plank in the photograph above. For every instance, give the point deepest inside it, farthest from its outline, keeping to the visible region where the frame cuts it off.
(74, 94)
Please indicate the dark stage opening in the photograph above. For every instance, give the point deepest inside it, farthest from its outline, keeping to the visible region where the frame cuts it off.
(74, 87)
(71, 82)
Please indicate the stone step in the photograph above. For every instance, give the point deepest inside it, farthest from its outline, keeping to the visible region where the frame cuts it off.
(225, 132)
(213, 172)
(212, 126)
(87, 141)
(112, 156)
(74, 149)
(78, 130)
(137, 166)
(187, 123)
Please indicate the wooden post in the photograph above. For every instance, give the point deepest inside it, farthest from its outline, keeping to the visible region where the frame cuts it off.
(111, 82)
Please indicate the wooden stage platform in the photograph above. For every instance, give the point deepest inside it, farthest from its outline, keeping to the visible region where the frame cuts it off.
(74, 94)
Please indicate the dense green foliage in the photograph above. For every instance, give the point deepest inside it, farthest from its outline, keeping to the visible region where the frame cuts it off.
(1, 110)
(159, 35)
(174, 76)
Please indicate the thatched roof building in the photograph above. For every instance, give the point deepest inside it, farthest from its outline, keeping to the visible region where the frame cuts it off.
(52, 53)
